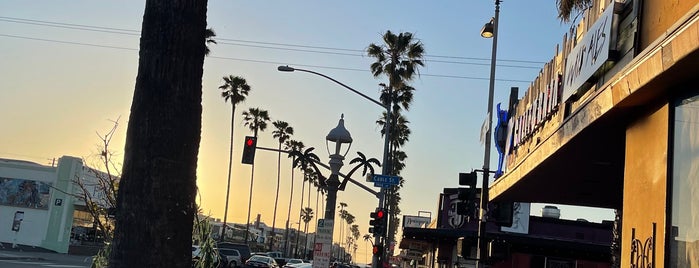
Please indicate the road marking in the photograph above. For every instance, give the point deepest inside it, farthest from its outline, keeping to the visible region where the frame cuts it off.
(65, 266)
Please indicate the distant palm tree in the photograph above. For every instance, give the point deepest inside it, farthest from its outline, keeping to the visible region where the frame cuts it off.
(355, 237)
(566, 8)
(362, 162)
(291, 145)
(282, 133)
(306, 216)
(256, 120)
(367, 238)
(234, 90)
(343, 214)
(209, 35)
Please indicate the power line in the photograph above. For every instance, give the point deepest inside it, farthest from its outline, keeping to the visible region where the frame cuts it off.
(252, 60)
(136, 33)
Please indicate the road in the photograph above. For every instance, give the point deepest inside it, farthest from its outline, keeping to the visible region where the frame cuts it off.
(19, 259)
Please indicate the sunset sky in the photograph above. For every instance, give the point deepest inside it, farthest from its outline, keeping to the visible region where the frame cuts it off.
(69, 67)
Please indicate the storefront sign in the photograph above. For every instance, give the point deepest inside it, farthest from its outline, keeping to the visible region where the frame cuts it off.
(589, 54)
(520, 219)
(538, 111)
(415, 221)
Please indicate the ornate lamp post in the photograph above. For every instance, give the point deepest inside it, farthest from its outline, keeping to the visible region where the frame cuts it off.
(336, 138)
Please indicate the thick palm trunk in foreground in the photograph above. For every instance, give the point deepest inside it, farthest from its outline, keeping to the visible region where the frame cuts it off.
(157, 189)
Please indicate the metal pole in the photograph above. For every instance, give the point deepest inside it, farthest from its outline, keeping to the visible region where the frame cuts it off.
(386, 170)
(482, 235)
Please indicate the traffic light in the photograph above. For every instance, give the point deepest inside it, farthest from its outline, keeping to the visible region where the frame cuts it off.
(377, 250)
(467, 195)
(249, 150)
(378, 222)
(501, 213)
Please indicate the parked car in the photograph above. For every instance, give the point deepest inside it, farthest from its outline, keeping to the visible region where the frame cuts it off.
(290, 263)
(232, 256)
(302, 265)
(260, 261)
(242, 248)
(219, 260)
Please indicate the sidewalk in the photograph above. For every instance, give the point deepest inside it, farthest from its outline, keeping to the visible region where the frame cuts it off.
(26, 253)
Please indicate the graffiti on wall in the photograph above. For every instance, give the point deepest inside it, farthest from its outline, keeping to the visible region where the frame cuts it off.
(24, 193)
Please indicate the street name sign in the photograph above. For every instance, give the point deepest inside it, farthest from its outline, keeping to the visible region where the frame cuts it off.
(385, 180)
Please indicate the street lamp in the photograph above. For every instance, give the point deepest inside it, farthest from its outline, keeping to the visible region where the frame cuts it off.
(337, 136)
(387, 134)
(489, 30)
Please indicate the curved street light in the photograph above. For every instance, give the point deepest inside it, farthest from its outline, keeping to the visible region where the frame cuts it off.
(489, 30)
(387, 130)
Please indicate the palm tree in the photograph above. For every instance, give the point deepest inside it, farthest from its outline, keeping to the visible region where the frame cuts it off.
(367, 238)
(567, 7)
(291, 145)
(209, 39)
(282, 133)
(343, 214)
(306, 216)
(164, 128)
(355, 237)
(399, 59)
(234, 90)
(256, 120)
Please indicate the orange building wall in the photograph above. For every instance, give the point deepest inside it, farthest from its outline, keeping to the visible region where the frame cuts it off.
(645, 182)
(660, 15)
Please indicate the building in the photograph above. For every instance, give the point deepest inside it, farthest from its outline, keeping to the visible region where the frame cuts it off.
(532, 241)
(39, 205)
(612, 122)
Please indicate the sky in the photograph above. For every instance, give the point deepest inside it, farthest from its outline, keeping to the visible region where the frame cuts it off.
(69, 68)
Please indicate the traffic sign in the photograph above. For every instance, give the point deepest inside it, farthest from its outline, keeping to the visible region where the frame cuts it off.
(385, 180)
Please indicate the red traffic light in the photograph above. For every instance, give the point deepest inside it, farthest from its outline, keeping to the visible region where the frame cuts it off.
(380, 214)
(375, 250)
(249, 142)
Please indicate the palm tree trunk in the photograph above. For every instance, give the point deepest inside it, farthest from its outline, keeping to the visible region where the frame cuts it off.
(228, 186)
(288, 214)
(276, 198)
(247, 223)
(303, 188)
(165, 111)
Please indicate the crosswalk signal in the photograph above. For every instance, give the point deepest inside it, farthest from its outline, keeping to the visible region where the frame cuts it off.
(249, 150)
(378, 222)
(467, 195)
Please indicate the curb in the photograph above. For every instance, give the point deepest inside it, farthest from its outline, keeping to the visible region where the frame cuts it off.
(22, 259)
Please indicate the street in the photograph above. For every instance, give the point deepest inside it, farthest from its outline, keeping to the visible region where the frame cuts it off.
(23, 259)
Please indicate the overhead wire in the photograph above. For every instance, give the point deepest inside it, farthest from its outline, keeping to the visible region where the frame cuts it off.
(136, 33)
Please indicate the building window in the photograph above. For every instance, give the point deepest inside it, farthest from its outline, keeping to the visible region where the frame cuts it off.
(684, 234)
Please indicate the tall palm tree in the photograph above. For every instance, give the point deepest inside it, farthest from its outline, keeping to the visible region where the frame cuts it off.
(282, 133)
(306, 216)
(291, 145)
(566, 8)
(256, 120)
(399, 59)
(164, 128)
(355, 237)
(343, 214)
(234, 90)
(367, 238)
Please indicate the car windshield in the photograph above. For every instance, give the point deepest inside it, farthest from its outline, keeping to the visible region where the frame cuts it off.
(259, 258)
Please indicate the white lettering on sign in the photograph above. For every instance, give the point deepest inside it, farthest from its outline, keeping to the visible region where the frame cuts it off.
(537, 112)
(589, 55)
